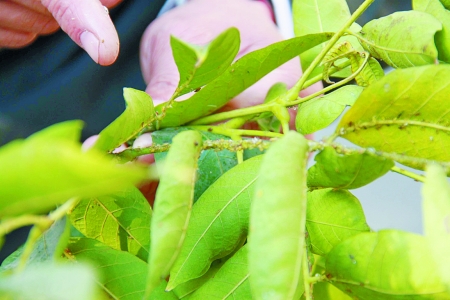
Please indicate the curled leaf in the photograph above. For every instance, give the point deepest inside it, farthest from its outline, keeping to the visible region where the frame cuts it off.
(402, 39)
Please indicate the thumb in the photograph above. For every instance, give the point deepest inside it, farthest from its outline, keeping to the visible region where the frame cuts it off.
(88, 24)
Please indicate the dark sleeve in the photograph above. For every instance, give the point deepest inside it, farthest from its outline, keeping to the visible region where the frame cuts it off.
(379, 8)
(53, 80)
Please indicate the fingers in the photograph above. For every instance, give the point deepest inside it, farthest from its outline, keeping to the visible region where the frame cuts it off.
(158, 66)
(34, 5)
(198, 22)
(22, 19)
(15, 39)
(88, 24)
(110, 3)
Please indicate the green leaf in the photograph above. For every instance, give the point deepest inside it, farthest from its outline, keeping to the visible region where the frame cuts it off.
(184, 290)
(267, 121)
(68, 131)
(276, 240)
(219, 222)
(327, 291)
(121, 274)
(371, 73)
(436, 203)
(211, 164)
(402, 39)
(173, 204)
(159, 293)
(43, 171)
(318, 16)
(325, 227)
(121, 221)
(139, 113)
(348, 171)
(385, 265)
(436, 218)
(50, 282)
(47, 248)
(446, 3)
(231, 281)
(320, 112)
(238, 77)
(198, 65)
(405, 112)
(437, 10)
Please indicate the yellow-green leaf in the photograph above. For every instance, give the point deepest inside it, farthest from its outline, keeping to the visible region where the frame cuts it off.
(219, 222)
(276, 240)
(230, 282)
(121, 274)
(402, 39)
(173, 204)
(239, 76)
(437, 10)
(318, 16)
(50, 281)
(406, 112)
(198, 65)
(45, 170)
(139, 113)
(326, 227)
(436, 218)
(349, 171)
(386, 265)
(320, 112)
(121, 221)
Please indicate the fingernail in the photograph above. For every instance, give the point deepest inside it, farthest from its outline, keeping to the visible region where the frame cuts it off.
(90, 44)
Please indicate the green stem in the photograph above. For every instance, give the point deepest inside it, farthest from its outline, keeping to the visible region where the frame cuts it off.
(132, 153)
(299, 85)
(236, 122)
(333, 86)
(33, 236)
(230, 145)
(306, 274)
(316, 279)
(237, 132)
(39, 228)
(319, 77)
(9, 225)
(258, 109)
(239, 153)
(331, 138)
(407, 173)
(417, 163)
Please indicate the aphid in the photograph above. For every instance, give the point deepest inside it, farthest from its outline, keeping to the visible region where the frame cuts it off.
(197, 89)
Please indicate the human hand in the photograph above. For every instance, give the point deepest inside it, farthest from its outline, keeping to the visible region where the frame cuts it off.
(198, 22)
(85, 21)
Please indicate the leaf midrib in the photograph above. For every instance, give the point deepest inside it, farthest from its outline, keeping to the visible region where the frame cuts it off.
(404, 123)
(212, 222)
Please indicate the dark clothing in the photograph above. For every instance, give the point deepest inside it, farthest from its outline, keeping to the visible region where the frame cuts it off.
(53, 80)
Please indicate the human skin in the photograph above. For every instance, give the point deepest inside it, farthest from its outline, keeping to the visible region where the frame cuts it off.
(85, 21)
(196, 22)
